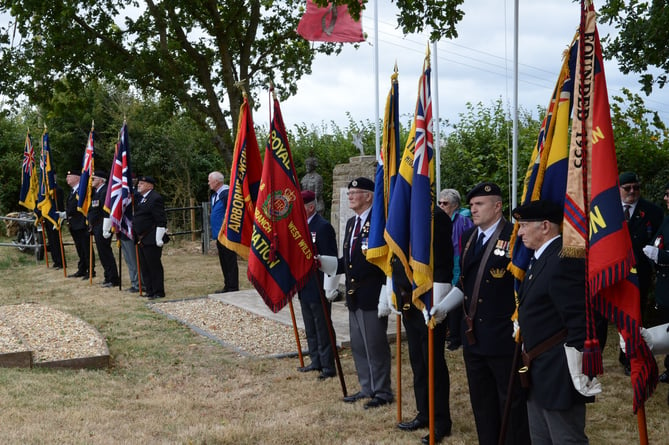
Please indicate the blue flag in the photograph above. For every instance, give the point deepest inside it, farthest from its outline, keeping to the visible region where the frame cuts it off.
(45, 206)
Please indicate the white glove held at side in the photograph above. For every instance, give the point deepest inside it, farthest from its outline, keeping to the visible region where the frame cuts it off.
(327, 264)
(106, 228)
(449, 302)
(651, 252)
(383, 306)
(160, 233)
(330, 286)
(582, 383)
(657, 338)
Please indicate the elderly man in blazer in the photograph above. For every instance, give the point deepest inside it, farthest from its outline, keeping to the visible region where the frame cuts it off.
(551, 316)
(369, 341)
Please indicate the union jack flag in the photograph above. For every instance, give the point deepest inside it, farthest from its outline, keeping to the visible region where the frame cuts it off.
(28, 195)
(119, 192)
(87, 170)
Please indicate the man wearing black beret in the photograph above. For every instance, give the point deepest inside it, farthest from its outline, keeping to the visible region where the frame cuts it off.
(486, 291)
(99, 225)
(78, 227)
(551, 316)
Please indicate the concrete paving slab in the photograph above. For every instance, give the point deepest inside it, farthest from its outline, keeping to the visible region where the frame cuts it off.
(250, 300)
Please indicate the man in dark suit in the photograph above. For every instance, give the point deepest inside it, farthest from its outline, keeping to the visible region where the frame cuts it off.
(643, 220)
(317, 321)
(149, 225)
(551, 316)
(96, 216)
(226, 257)
(53, 233)
(417, 334)
(369, 341)
(488, 302)
(78, 227)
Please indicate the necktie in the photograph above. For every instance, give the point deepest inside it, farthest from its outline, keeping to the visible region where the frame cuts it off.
(627, 212)
(478, 247)
(532, 261)
(356, 233)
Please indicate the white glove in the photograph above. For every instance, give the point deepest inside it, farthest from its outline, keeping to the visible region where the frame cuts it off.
(106, 228)
(447, 304)
(516, 329)
(62, 215)
(383, 307)
(327, 264)
(657, 338)
(331, 286)
(621, 343)
(651, 252)
(389, 296)
(160, 233)
(439, 291)
(582, 383)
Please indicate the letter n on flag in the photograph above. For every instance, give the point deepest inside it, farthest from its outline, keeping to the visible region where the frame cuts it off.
(281, 256)
(245, 174)
(330, 24)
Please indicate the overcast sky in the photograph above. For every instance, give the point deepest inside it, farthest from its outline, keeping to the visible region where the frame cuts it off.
(475, 67)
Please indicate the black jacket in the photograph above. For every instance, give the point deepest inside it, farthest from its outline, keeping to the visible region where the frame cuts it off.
(149, 214)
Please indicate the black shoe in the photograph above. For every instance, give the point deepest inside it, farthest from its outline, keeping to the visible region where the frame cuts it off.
(454, 345)
(354, 397)
(376, 402)
(77, 275)
(311, 367)
(438, 436)
(57, 266)
(627, 370)
(326, 375)
(85, 277)
(132, 290)
(664, 377)
(412, 425)
(156, 296)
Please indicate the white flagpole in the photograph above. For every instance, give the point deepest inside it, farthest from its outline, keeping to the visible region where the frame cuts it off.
(514, 156)
(435, 120)
(376, 82)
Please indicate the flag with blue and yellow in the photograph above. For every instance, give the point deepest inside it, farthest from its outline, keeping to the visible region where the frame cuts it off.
(45, 206)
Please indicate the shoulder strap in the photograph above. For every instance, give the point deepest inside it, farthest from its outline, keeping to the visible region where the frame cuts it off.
(482, 266)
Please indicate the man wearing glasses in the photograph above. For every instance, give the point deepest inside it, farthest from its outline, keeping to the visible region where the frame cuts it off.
(643, 220)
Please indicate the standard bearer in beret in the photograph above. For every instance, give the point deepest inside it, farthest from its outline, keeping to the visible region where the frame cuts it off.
(362, 183)
(484, 189)
(540, 210)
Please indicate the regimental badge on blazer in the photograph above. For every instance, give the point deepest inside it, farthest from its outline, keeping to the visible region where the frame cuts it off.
(502, 248)
(497, 272)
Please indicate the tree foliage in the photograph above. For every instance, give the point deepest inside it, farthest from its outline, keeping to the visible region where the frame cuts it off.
(641, 42)
(192, 54)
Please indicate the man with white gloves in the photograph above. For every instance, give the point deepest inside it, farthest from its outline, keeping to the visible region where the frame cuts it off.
(99, 225)
(658, 254)
(551, 315)
(315, 313)
(416, 330)
(149, 225)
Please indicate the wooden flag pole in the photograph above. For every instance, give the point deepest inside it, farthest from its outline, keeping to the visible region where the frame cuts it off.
(507, 403)
(641, 421)
(46, 251)
(430, 373)
(398, 355)
(62, 250)
(120, 262)
(297, 335)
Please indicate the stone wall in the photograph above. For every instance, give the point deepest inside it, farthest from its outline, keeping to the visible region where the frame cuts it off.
(341, 176)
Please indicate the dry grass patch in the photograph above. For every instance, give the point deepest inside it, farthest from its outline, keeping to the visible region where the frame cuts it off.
(169, 385)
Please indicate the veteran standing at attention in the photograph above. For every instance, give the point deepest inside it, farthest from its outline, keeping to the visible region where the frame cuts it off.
(369, 341)
(551, 316)
(487, 296)
(149, 224)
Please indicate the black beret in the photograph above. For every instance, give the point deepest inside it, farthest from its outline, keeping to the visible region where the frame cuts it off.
(362, 183)
(101, 174)
(628, 178)
(74, 172)
(484, 189)
(539, 210)
(308, 196)
(148, 179)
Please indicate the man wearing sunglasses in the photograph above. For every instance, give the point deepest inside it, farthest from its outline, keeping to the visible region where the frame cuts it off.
(643, 220)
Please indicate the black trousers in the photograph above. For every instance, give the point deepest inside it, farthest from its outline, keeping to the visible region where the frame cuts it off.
(106, 256)
(417, 340)
(488, 378)
(54, 243)
(318, 335)
(228, 260)
(82, 244)
(152, 269)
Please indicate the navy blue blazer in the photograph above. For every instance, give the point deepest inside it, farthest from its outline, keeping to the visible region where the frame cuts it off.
(325, 244)
(149, 214)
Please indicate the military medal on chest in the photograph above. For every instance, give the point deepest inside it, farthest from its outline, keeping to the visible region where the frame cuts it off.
(501, 248)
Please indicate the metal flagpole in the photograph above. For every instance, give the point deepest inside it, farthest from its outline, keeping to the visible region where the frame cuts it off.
(514, 152)
(377, 129)
(435, 128)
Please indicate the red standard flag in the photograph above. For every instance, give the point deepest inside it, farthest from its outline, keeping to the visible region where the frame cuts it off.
(594, 224)
(281, 256)
(330, 24)
(245, 174)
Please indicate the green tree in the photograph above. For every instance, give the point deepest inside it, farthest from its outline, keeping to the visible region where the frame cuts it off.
(641, 42)
(193, 54)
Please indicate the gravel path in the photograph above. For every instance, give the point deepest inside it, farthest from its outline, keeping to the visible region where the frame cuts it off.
(246, 333)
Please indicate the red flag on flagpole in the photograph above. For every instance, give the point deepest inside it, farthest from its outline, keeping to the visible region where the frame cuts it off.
(245, 174)
(281, 256)
(330, 24)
